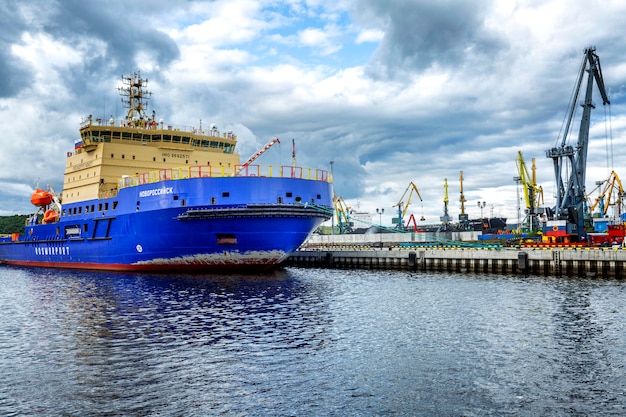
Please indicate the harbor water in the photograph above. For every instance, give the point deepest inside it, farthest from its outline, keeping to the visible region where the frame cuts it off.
(310, 342)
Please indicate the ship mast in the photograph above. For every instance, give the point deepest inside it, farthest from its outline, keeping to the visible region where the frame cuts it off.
(133, 97)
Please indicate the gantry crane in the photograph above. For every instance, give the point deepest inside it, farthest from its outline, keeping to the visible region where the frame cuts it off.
(570, 194)
(342, 211)
(533, 193)
(403, 207)
(610, 194)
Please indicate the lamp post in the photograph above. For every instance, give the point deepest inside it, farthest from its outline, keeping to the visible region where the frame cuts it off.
(380, 223)
(481, 205)
(332, 227)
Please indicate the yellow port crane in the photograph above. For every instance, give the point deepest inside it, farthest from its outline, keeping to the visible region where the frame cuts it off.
(403, 207)
(342, 211)
(533, 193)
(445, 219)
(610, 194)
(463, 217)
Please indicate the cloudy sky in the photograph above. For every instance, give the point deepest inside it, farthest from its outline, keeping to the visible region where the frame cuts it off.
(391, 91)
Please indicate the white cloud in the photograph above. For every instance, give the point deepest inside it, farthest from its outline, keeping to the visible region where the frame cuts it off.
(323, 40)
(370, 35)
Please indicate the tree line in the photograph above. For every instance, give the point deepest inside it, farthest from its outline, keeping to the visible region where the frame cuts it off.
(12, 224)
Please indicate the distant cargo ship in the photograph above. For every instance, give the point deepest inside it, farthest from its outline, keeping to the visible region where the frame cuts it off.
(142, 195)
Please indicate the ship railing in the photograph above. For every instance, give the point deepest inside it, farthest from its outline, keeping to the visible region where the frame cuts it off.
(221, 171)
(147, 124)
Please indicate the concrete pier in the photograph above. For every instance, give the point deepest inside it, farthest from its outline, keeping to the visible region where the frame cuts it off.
(600, 262)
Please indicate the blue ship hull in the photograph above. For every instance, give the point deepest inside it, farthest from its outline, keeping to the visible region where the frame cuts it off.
(192, 224)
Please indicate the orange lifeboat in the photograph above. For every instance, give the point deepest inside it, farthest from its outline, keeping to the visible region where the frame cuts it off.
(50, 216)
(41, 198)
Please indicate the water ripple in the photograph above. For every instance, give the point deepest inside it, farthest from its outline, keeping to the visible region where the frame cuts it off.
(310, 342)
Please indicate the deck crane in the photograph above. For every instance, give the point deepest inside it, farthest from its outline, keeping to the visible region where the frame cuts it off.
(570, 195)
(261, 152)
(611, 194)
(403, 207)
(343, 211)
(463, 217)
(533, 193)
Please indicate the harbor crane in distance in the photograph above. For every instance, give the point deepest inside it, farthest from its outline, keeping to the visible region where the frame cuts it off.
(463, 217)
(343, 211)
(445, 219)
(610, 194)
(403, 207)
(570, 193)
(533, 193)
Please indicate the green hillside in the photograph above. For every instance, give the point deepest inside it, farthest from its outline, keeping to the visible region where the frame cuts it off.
(12, 224)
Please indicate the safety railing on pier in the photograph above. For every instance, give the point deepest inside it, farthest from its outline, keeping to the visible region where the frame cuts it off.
(219, 171)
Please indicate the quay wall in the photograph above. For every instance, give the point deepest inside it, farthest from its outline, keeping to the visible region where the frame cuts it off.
(389, 238)
(601, 262)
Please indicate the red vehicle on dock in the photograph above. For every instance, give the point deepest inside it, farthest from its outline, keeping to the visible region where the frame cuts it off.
(613, 236)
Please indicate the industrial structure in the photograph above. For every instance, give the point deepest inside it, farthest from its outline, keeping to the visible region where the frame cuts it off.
(576, 218)
(403, 207)
(566, 220)
(533, 193)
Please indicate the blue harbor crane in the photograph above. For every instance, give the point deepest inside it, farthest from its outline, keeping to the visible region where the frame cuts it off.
(570, 192)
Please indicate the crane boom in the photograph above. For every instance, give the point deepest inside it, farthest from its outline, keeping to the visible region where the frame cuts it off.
(570, 194)
(610, 195)
(261, 152)
(402, 206)
(462, 198)
(533, 194)
(445, 219)
(343, 211)
(463, 217)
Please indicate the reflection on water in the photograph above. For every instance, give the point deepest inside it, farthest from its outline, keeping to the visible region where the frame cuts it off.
(580, 335)
(309, 342)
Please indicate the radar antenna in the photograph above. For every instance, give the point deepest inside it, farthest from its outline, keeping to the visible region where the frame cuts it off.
(133, 97)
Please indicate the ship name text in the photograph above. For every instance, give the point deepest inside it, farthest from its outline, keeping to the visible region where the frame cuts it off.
(52, 250)
(82, 166)
(156, 191)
